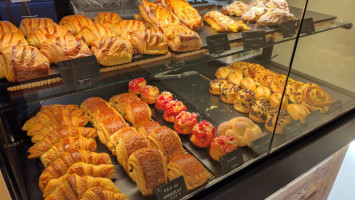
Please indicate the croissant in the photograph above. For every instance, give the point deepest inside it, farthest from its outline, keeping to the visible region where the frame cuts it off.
(39, 36)
(112, 50)
(68, 142)
(12, 39)
(125, 27)
(113, 140)
(97, 193)
(8, 27)
(223, 23)
(64, 131)
(137, 113)
(75, 22)
(29, 24)
(92, 32)
(127, 145)
(187, 14)
(148, 169)
(120, 101)
(65, 47)
(83, 163)
(167, 141)
(72, 186)
(149, 41)
(107, 18)
(21, 62)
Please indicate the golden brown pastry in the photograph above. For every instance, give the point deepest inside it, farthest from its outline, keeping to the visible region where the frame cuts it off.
(167, 141)
(222, 145)
(278, 84)
(75, 22)
(267, 78)
(21, 62)
(248, 83)
(29, 24)
(8, 27)
(182, 39)
(92, 104)
(229, 93)
(222, 72)
(12, 39)
(187, 14)
(216, 86)
(235, 77)
(149, 94)
(114, 138)
(65, 47)
(149, 41)
(148, 127)
(162, 101)
(137, 113)
(254, 71)
(135, 85)
(72, 186)
(259, 110)
(242, 129)
(127, 145)
(223, 23)
(236, 8)
(275, 17)
(262, 93)
(184, 122)
(190, 168)
(126, 27)
(203, 134)
(240, 66)
(254, 13)
(120, 101)
(243, 100)
(298, 112)
(107, 18)
(275, 100)
(112, 50)
(283, 120)
(97, 193)
(148, 169)
(38, 36)
(92, 32)
(315, 98)
(173, 109)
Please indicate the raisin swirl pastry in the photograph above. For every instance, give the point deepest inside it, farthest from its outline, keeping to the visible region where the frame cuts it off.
(294, 92)
(266, 78)
(229, 93)
(259, 110)
(283, 120)
(314, 98)
(243, 100)
(240, 66)
(254, 71)
(278, 84)
(216, 86)
(184, 122)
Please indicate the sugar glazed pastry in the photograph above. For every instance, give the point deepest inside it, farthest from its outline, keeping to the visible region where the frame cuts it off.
(275, 17)
(109, 19)
(298, 112)
(149, 94)
(216, 86)
(162, 101)
(12, 39)
(190, 168)
(222, 145)
(243, 100)
(38, 36)
(135, 85)
(229, 93)
(236, 8)
(148, 169)
(29, 24)
(126, 27)
(75, 22)
(259, 110)
(8, 27)
(184, 122)
(92, 32)
(283, 120)
(222, 72)
(223, 23)
(203, 134)
(173, 108)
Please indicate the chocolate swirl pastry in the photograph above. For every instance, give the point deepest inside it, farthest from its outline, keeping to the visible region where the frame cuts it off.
(216, 86)
(259, 111)
(284, 119)
(229, 93)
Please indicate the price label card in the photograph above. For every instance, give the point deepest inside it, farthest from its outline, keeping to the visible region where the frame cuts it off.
(232, 160)
(288, 29)
(79, 71)
(307, 26)
(254, 39)
(175, 189)
(218, 43)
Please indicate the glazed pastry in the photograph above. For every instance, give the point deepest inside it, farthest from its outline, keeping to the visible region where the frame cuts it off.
(148, 127)
(149, 41)
(149, 94)
(92, 104)
(216, 86)
(125, 27)
(114, 138)
(242, 129)
(298, 112)
(243, 100)
(173, 108)
(277, 4)
(203, 134)
(162, 100)
(283, 120)
(187, 14)
(236, 8)
(8, 27)
(127, 145)
(235, 77)
(240, 66)
(97, 193)
(248, 83)
(222, 145)
(259, 110)
(62, 48)
(184, 122)
(135, 85)
(182, 39)
(266, 78)
(120, 101)
(222, 72)
(137, 113)
(167, 141)
(112, 50)
(190, 168)
(275, 100)
(90, 33)
(75, 22)
(38, 36)
(314, 98)
(254, 13)
(223, 23)
(275, 17)
(21, 63)
(29, 24)
(294, 91)
(148, 169)
(12, 39)
(72, 186)
(262, 93)
(278, 84)
(254, 71)
(229, 93)
(107, 18)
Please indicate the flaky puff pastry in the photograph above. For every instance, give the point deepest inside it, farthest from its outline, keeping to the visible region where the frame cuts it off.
(149, 41)
(298, 112)
(91, 105)
(107, 18)
(38, 36)
(190, 168)
(129, 144)
(236, 8)
(113, 140)
(120, 101)
(60, 48)
(97, 193)
(148, 169)
(29, 24)
(223, 23)
(75, 22)
(12, 39)
(21, 62)
(112, 51)
(92, 32)
(8, 27)
(126, 27)
(137, 113)
(148, 127)
(181, 39)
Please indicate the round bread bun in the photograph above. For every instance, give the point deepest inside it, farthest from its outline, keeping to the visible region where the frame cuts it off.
(262, 93)
(222, 72)
(248, 83)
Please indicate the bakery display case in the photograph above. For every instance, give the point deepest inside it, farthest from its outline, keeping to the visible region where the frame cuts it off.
(145, 101)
